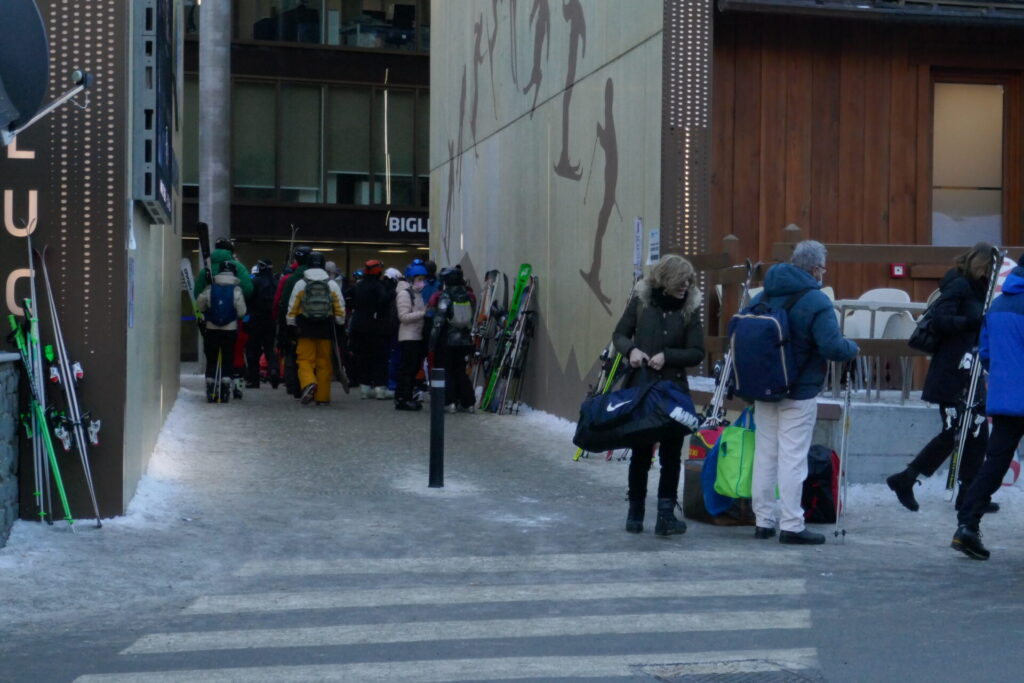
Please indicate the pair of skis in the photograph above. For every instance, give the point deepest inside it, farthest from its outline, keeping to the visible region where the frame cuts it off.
(485, 327)
(506, 378)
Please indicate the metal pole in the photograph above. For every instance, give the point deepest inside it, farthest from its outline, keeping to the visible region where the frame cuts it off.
(436, 428)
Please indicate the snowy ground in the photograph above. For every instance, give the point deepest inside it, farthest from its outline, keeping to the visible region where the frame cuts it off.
(204, 503)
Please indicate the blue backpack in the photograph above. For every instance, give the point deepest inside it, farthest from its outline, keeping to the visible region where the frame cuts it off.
(763, 365)
(222, 305)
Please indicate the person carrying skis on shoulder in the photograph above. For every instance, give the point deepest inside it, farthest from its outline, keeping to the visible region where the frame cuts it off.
(956, 318)
(316, 310)
(785, 427)
(660, 331)
(224, 252)
(451, 337)
(222, 305)
(411, 312)
(1001, 352)
(371, 332)
(286, 340)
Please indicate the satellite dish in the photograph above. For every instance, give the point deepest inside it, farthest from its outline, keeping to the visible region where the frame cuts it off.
(24, 62)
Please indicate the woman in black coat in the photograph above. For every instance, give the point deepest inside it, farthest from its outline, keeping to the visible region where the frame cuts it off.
(661, 331)
(957, 318)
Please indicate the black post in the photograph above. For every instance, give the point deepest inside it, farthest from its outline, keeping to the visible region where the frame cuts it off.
(436, 428)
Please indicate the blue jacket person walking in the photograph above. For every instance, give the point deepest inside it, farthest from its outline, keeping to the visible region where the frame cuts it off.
(1001, 353)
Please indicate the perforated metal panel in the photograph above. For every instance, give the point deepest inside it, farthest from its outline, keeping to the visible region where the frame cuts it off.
(686, 126)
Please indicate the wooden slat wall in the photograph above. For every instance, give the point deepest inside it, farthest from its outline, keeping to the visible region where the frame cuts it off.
(817, 122)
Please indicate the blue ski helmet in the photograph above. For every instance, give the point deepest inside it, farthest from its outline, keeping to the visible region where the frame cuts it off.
(414, 270)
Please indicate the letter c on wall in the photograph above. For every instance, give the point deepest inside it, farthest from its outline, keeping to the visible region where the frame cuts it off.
(12, 279)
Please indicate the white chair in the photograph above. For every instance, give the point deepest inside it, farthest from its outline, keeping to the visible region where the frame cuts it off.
(885, 294)
(900, 326)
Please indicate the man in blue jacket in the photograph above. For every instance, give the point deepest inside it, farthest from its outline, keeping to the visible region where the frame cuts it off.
(785, 428)
(1001, 352)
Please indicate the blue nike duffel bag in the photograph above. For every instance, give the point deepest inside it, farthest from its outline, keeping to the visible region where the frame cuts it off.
(635, 417)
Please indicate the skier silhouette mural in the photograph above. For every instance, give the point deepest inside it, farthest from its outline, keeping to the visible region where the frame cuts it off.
(492, 40)
(540, 17)
(513, 45)
(610, 146)
(573, 13)
(478, 59)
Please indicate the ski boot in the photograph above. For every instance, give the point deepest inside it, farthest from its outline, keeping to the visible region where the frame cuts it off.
(635, 517)
(366, 391)
(211, 391)
(383, 393)
(225, 391)
(308, 392)
(667, 524)
(237, 388)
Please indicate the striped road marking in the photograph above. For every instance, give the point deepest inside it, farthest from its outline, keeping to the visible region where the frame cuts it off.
(517, 563)
(450, 595)
(363, 634)
(433, 671)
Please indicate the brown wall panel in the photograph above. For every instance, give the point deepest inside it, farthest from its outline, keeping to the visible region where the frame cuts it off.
(827, 124)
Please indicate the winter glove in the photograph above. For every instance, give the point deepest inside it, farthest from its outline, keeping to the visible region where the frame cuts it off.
(637, 357)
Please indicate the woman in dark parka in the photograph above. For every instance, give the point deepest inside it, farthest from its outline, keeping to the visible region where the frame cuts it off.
(661, 328)
(957, 318)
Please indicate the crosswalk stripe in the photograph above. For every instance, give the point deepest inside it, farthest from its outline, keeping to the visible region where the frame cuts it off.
(447, 595)
(434, 671)
(363, 634)
(516, 563)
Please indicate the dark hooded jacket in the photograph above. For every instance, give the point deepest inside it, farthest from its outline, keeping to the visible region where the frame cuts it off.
(676, 333)
(813, 328)
(956, 315)
(217, 257)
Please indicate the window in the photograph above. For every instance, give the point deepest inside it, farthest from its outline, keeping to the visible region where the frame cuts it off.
(967, 164)
(348, 153)
(300, 143)
(190, 133)
(254, 132)
(423, 148)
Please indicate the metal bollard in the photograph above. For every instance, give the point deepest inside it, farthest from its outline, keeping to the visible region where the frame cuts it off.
(436, 429)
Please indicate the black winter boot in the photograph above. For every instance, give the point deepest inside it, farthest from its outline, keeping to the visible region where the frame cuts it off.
(635, 517)
(968, 541)
(667, 524)
(902, 484)
(211, 391)
(225, 390)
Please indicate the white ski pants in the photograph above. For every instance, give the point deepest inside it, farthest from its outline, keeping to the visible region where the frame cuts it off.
(783, 437)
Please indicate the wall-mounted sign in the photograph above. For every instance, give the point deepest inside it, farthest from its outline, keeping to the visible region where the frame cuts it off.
(417, 224)
(654, 246)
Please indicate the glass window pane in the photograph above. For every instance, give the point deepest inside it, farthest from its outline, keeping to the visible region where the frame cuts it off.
(348, 153)
(292, 21)
(423, 148)
(300, 143)
(253, 136)
(390, 24)
(190, 133)
(393, 125)
(967, 167)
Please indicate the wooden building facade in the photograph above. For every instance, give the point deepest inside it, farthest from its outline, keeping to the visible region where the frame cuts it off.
(828, 123)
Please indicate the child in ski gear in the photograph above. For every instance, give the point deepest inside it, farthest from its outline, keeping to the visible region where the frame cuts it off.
(261, 326)
(371, 331)
(784, 428)
(956, 316)
(660, 330)
(223, 306)
(451, 337)
(1001, 353)
(314, 309)
(411, 311)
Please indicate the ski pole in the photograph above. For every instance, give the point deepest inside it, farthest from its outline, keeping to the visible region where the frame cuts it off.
(844, 476)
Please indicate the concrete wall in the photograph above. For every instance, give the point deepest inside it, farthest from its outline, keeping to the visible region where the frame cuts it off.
(8, 446)
(545, 148)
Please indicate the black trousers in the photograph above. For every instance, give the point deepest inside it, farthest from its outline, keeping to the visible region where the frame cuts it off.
(1007, 431)
(458, 388)
(410, 360)
(670, 455)
(219, 343)
(291, 365)
(941, 446)
(261, 341)
(371, 359)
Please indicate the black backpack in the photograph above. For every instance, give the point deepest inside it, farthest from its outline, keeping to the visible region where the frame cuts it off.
(262, 303)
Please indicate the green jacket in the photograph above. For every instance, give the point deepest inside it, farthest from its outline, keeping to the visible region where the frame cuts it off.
(218, 257)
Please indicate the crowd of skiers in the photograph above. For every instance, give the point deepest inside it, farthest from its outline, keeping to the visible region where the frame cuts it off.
(311, 324)
(661, 336)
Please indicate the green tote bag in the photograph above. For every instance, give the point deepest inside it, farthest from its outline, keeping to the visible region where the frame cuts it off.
(736, 457)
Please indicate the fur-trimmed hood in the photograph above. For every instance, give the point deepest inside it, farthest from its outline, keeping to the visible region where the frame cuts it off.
(694, 296)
